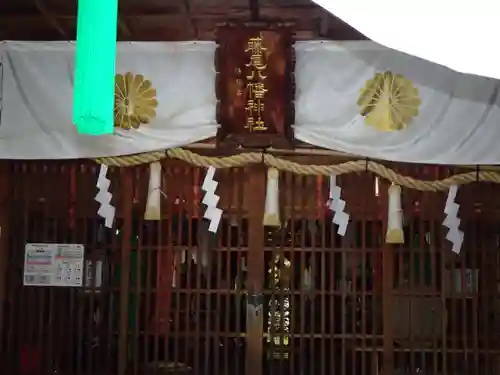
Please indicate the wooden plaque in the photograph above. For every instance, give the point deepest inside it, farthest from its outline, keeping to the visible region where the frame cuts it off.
(255, 86)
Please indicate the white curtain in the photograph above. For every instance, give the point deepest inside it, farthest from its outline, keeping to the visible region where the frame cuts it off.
(458, 120)
(36, 120)
(456, 34)
(458, 123)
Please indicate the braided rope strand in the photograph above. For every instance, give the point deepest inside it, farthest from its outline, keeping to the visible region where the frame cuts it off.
(269, 160)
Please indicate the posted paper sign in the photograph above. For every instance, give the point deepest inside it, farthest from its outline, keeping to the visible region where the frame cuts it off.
(53, 264)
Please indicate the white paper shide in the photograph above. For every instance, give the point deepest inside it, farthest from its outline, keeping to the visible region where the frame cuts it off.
(104, 196)
(210, 199)
(451, 220)
(337, 205)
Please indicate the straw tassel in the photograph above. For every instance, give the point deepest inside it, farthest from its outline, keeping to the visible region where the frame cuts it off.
(395, 234)
(271, 213)
(153, 204)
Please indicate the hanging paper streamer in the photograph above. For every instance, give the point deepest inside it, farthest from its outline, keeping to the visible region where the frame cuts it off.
(452, 222)
(106, 210)
(271, 211)
(210, 199)
(153, 204)
(337, 205)
(94, 87)
(395, 234)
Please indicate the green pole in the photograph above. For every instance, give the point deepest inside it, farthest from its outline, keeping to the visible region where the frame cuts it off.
(95, 58)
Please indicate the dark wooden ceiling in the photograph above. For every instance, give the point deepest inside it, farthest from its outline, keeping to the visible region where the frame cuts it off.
(169, 20)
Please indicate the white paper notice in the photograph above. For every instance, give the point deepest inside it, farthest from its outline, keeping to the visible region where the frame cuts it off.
(53, 265)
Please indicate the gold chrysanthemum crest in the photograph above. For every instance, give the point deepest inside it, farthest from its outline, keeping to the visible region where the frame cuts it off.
(135, 101)
(389, 101)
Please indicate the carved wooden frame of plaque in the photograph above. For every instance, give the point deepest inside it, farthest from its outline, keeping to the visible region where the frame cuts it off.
(230, 60)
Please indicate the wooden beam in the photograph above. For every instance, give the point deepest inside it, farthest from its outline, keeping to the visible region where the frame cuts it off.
(387, 287)
(186, 21)
(33, 36)
(5, 208)
(51, 19)
(127, 179)
(256, 275)
(160, 34)
(254, 10)
(196, 12)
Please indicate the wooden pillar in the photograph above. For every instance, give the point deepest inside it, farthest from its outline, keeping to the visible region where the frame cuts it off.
(4, 238)
(257, 187)
(387, 286)
(126, 181)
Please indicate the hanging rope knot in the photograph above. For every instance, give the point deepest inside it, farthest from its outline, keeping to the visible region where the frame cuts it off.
(264, 152)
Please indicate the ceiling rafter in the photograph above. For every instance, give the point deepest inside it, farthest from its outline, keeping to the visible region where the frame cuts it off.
(324, 24)
(124, 28)
(123, 25)
(197, 13)
(186, 13)
(51, 19)
(173, 20)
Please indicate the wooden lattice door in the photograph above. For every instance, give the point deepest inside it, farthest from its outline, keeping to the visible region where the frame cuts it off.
(317, 295)
(251, 300)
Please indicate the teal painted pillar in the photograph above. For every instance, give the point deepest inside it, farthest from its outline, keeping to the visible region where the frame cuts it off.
(95, 59)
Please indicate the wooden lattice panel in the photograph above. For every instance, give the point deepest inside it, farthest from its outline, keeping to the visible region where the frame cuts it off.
(171, 296)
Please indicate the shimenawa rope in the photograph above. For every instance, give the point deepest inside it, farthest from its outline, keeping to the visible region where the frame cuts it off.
(301, 169)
